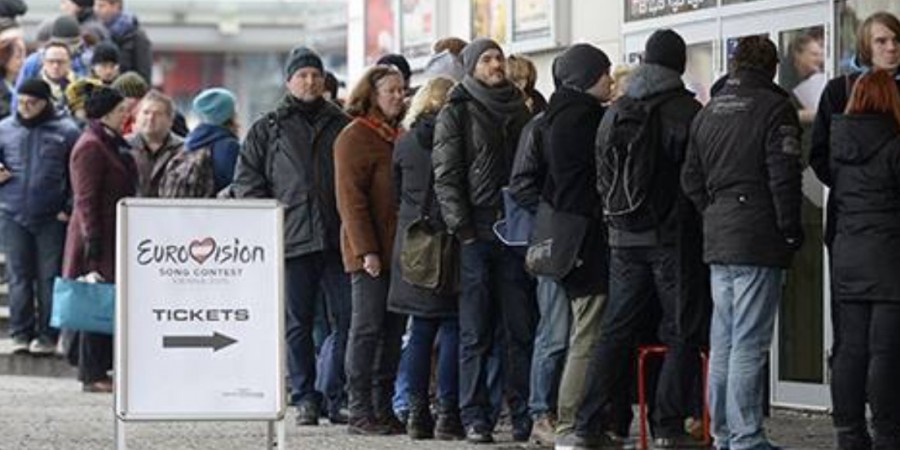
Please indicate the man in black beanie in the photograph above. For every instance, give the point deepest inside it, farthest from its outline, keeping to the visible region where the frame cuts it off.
(35, 145)
(287, 155)
(575, 111)
(105, 62)
(474, 142)
(653, 236)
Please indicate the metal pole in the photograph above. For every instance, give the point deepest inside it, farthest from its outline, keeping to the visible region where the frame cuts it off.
(120, 433)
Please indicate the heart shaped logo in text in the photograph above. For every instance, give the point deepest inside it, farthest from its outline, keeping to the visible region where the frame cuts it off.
(201, 250)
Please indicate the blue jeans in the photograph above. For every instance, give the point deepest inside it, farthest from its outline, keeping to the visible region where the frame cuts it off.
(401, 384)
(419, 350)
(550, 346)
(495, 290)
(745, 301)
(33, 259)
(304, 277)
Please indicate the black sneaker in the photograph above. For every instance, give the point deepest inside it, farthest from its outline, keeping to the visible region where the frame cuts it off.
(392, 423)
(307, 414)
(366, 426)
(478, 435)
(339, 417)
(521, 429)
(449, 427)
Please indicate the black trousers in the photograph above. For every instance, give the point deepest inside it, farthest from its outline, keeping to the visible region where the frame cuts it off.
(865, 360)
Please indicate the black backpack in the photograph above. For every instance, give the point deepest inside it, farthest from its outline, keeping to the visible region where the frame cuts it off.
(627, 163)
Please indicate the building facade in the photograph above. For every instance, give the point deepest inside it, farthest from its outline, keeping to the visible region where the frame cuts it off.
(816, 41)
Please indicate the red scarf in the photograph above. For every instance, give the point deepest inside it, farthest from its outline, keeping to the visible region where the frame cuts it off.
(380, 127)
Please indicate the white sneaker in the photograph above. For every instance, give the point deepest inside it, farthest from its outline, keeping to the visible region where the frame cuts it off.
(19, 345)
(41, 347)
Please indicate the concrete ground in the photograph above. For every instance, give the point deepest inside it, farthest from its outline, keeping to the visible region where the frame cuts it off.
(52, 413)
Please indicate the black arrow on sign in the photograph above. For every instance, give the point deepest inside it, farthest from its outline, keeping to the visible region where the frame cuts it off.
(216, 342)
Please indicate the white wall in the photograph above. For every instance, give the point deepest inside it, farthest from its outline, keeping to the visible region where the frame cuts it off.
(594, 21)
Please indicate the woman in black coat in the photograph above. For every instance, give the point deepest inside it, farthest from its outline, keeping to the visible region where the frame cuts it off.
(865, 173)
(433, 314)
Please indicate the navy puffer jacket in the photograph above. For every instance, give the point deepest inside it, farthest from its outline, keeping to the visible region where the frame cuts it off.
(38, 159)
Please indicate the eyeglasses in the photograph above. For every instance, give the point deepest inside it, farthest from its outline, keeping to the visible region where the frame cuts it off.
(56, 61)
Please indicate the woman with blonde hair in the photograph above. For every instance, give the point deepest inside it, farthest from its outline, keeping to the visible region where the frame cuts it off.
(522, 73)
(434, 315)
(865, 174)
(368, 212)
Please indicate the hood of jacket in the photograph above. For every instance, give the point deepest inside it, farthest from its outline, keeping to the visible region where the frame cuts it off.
(648, 80)
(856, 138)
(205, 135)
(424, 130)
(565, 98)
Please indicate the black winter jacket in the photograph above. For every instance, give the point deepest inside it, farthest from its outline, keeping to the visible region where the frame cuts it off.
(648, 83)
(530, 165)
(833, 102)
(743, 172)
(473, 158)
(412, 177)
(865, 175)
(288, 157)
(572, 120)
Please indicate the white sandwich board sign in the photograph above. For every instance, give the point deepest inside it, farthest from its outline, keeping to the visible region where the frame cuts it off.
(199, 310)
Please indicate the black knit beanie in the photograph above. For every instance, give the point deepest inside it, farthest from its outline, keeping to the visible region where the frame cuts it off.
(105, 52)
(100, 101)
(580, 66)
(666, 48)
(35, 87)
(299, 58)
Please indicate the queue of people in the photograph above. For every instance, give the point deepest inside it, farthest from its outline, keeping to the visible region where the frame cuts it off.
(648, 217)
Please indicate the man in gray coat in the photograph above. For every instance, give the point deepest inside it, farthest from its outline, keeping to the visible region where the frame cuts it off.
(287, 155)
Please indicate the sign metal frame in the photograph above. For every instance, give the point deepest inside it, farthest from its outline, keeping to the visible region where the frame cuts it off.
(123, 411)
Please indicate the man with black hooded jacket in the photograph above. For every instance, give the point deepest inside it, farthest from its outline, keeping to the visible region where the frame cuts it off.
(743, 172)
(287, 155)
(646, 262)
(474, 145)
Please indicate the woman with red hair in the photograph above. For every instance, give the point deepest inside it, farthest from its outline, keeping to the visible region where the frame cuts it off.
(865, 173)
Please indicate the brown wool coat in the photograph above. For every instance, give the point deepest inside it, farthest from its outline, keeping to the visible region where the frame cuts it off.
(101, 175)
(365, 199)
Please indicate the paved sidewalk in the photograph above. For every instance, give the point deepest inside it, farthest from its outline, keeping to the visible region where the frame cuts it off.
(53, 413)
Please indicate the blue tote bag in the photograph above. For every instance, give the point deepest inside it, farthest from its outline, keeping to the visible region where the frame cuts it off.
(83, 306)
(514, 230)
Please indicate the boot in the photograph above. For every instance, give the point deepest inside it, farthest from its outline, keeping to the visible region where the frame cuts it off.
(449, 424)
(853, 438)
(420, 424)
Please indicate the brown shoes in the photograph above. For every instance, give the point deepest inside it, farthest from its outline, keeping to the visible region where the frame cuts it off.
(100, 386)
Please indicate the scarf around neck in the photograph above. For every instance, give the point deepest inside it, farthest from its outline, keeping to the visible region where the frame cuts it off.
(380, 127)
(502, 101)
(46, 115)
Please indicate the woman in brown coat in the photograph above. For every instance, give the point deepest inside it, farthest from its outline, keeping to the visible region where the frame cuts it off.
(102, 173)
(362, 161)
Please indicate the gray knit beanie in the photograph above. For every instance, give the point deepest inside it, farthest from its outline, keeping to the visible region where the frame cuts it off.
(473, 51)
